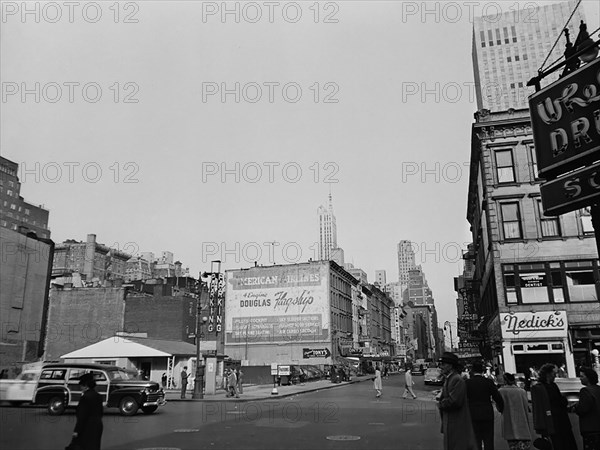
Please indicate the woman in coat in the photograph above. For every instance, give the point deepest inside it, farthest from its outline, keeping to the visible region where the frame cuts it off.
(550, 414)
(454, 408)
(588, 409)
(516, 425)
(88, 428)
(377, 382)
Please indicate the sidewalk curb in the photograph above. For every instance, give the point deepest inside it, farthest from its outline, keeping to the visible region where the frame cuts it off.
(261, 398)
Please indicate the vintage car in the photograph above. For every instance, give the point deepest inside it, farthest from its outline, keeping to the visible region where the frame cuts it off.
(58, 388)
(434, 376)
(19, 390)
(569, 388)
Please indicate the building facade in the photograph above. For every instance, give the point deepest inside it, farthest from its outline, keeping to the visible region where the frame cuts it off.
(327, 231)
(15, 212)
(510, 48)
(406, 260)
(536, 279)
(97, 263)
(24, 286)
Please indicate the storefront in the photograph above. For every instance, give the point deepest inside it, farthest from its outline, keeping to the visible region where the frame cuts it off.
(532, 339)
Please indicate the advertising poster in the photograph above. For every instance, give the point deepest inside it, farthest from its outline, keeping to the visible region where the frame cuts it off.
(277, 304)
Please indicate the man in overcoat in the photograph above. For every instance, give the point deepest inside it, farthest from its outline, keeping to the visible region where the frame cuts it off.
(454, 408)
(480, 393)
(88, 428)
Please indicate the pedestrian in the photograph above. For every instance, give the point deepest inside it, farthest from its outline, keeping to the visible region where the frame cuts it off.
(550, 414)
(409, 383)
(240, 380)
(516, 424)
(588, 409)
(87, 434)
(480, 393)
(452, 402)
(163, 380)
(184, 381)
(232, 383)
(377, 382)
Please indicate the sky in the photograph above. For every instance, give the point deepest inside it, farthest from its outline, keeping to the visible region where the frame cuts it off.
(215, 134)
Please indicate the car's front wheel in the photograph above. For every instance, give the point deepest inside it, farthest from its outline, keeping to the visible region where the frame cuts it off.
(128, 406)
(56, 406)
(149, 409)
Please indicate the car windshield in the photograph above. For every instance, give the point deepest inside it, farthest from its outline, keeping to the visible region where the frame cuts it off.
(118, 375)
(432, 371)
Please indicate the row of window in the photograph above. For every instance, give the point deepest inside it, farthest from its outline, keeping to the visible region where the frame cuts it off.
(14, 207)
(512, 226)
(10, 183)
(517, 58)
(498, 39)
(551, 282)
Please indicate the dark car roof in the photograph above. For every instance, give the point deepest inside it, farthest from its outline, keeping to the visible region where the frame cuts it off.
(80, 366)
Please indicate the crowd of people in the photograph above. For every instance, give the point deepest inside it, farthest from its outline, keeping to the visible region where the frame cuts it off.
(466, 406)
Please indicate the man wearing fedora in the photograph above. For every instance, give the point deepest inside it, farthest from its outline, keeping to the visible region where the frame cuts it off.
(454, 408)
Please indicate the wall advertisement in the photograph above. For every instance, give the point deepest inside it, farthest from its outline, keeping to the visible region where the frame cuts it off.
(277, 305)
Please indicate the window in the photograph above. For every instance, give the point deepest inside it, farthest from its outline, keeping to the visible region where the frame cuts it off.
(74, 374)
(504, 166)
(12, 206)
(508, 59)
(498, 40)
(511, 220)
(533, 162)
(9, 192)
(514, 33)
(586, 220)
(517, 58)
(512, 85)
(581, 286)
(534, 287)
(53, 374)
(482, 36)
(511, 288)
(525, 57)
(27, 211)
(550, 224)
(490, 38)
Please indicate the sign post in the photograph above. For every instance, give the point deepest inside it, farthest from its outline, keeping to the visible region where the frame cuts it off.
(274, 372)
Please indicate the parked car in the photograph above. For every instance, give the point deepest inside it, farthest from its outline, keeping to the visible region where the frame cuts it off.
(19, 390)
(434, 376)
(58, 388)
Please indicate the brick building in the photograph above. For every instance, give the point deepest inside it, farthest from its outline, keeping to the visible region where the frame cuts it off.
(531, 271)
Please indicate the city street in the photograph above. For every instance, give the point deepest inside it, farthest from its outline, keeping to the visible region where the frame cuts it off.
(345, 417)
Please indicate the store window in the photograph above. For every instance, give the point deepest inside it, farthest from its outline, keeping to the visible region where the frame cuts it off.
(504, 166)
(511, 220)
(550, 224)
(534, 287)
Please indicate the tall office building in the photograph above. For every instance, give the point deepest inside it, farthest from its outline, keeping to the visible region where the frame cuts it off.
(380, 278)
(509, 49)
(327, 232)
(406, 260)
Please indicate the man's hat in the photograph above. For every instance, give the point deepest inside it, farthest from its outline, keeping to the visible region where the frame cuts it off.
(450, 358)
(86, 378)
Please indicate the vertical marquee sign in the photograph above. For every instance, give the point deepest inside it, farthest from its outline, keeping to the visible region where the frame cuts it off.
(216, 297)
(565, 118)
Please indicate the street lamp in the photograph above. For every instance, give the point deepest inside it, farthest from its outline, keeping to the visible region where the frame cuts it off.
(449, 325)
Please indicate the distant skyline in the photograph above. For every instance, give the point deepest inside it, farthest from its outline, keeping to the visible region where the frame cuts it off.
(167, 127)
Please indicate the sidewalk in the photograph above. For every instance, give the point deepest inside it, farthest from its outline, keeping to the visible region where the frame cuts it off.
(263, 391)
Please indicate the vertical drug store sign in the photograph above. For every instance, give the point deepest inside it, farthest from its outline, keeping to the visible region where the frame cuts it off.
(277, 304)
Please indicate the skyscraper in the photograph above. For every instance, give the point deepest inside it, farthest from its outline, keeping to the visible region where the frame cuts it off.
(509, 49)
(327, 232)
(406, 260)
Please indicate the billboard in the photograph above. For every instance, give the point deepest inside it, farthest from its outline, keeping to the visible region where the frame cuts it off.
(277, 304)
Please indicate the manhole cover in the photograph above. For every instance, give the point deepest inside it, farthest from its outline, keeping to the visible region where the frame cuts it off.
(343, 437)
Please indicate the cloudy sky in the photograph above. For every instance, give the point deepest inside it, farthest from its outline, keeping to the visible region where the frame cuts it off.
(180, 126)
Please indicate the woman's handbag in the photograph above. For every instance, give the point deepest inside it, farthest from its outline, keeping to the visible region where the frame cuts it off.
(543, 443)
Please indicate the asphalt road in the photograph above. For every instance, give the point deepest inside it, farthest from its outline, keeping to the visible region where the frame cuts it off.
(345, 418)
